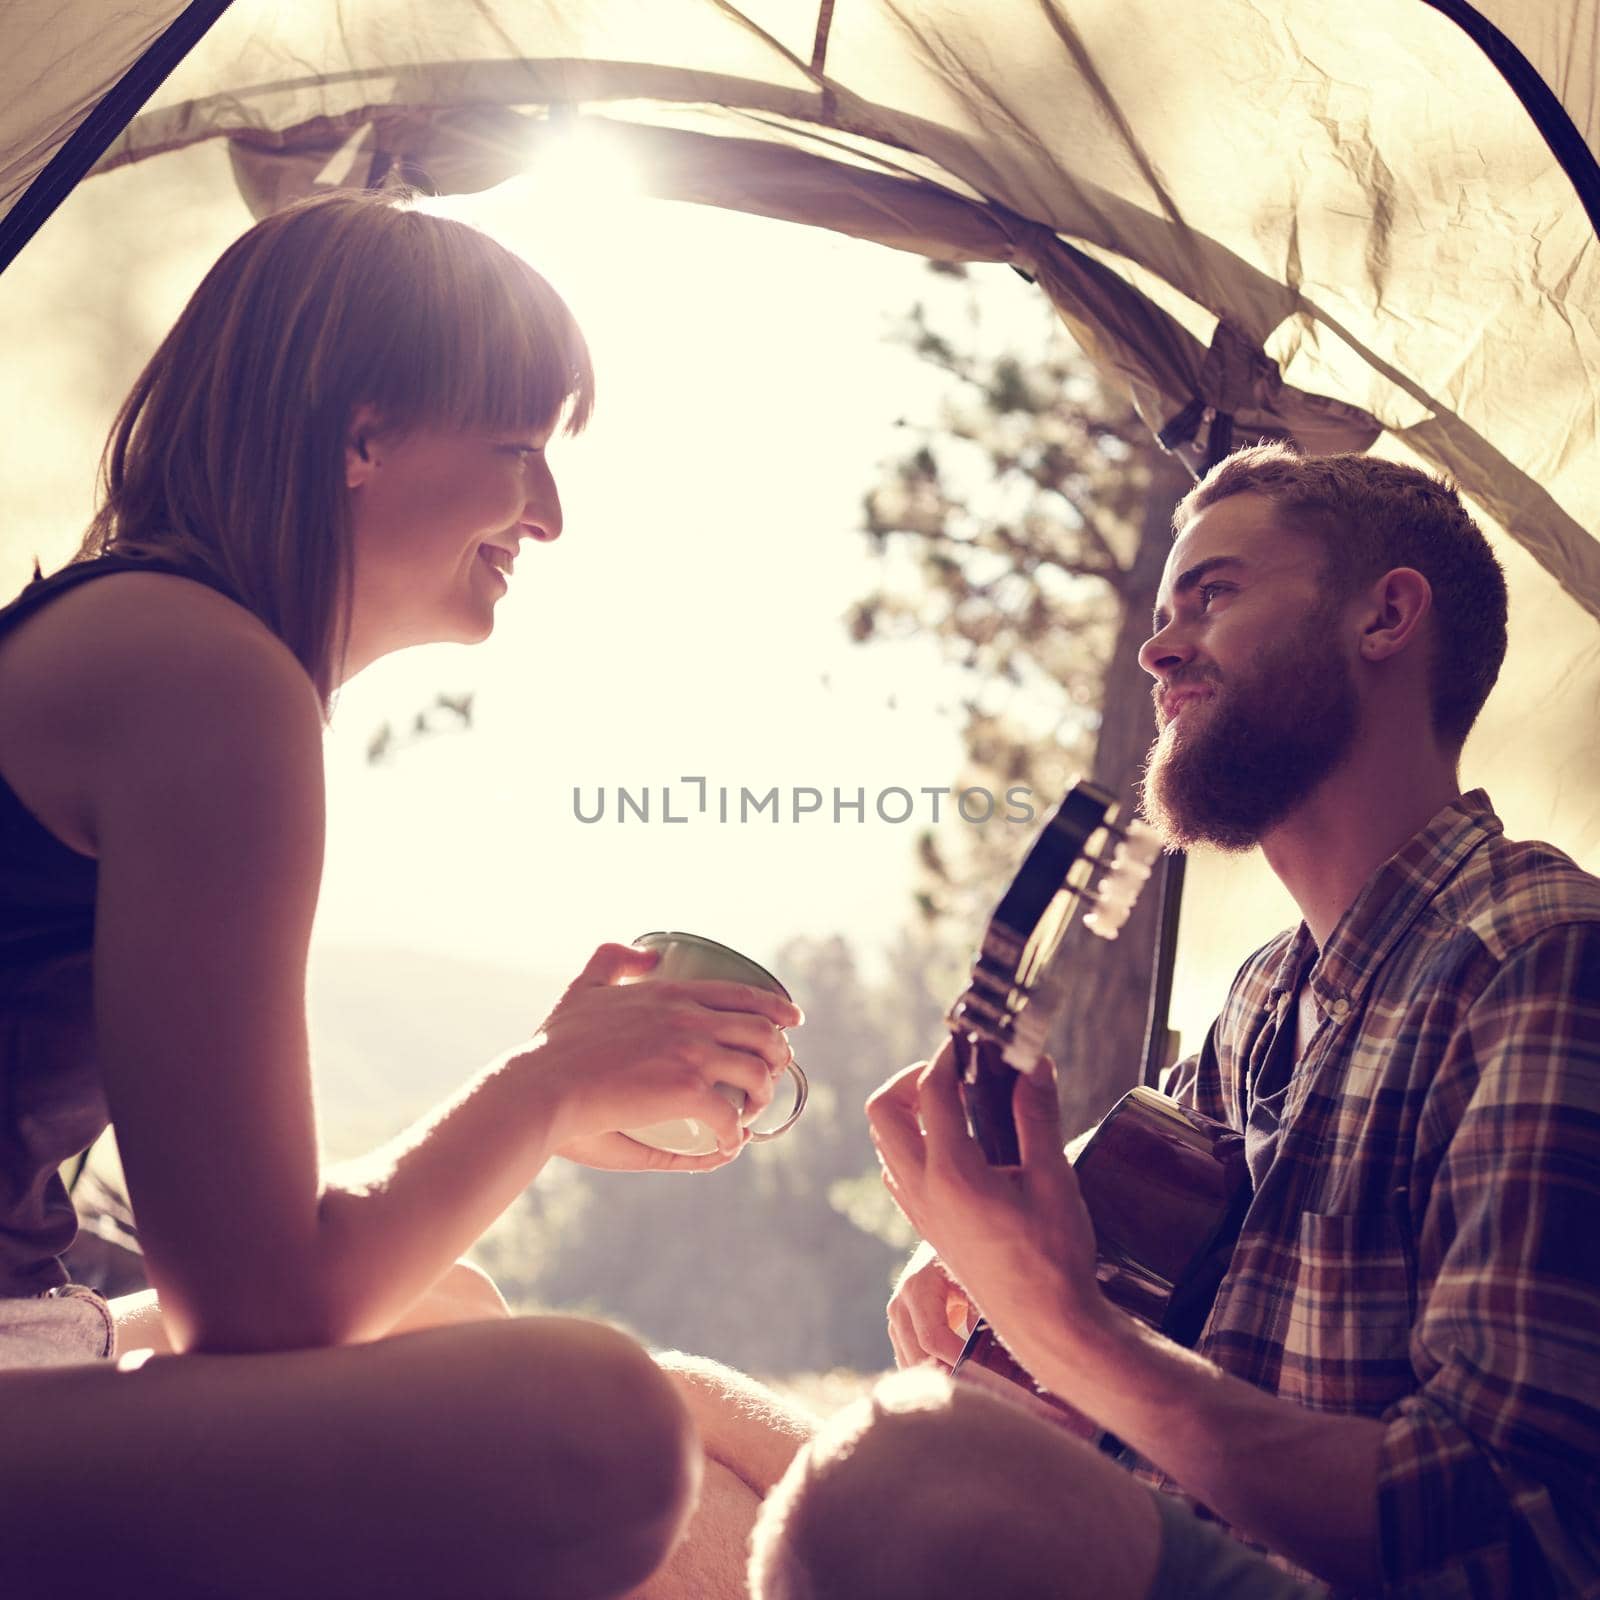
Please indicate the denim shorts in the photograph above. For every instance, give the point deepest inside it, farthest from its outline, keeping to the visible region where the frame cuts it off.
(1200, 1562)
(59, 1328)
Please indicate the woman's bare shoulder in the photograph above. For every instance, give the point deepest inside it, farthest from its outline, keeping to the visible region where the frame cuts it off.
(134, 632)
(135, 663)
(123, 609)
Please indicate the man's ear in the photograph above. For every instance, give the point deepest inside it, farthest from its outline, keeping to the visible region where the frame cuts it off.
(361, 456)
(1392, 622)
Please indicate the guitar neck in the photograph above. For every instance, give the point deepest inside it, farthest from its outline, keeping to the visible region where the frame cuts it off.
(1019, 981)
(986, 1088)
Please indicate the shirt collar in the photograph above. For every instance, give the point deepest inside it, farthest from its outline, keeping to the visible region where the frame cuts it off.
(1387, 905)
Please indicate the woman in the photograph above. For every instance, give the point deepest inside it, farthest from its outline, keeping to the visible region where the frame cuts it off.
(338, 451)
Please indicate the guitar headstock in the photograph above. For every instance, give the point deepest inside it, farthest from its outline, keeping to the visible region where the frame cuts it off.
(1085, 858)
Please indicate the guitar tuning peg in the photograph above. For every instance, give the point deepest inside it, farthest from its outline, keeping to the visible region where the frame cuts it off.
(1131, 865)
(1107, 918)
(1122, 883)
(1142, 843)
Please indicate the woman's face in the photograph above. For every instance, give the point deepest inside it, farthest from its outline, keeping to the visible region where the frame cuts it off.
(439, 517)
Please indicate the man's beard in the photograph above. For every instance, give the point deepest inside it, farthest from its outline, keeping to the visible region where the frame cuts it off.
(1227, 771)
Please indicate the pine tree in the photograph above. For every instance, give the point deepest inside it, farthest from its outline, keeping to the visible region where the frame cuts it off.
(1026, 529)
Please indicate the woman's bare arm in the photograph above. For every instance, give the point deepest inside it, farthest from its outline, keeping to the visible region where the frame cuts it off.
(205, 801)
(206, 804)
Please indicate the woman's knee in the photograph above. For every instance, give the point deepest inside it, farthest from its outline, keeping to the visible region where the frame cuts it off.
(627, 1451)
(849, 1516)
(519, 1457)
(908, 1494)
(571, 1457)
(649, 1432)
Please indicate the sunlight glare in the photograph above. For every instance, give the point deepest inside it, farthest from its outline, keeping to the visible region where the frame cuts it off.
(579, 163)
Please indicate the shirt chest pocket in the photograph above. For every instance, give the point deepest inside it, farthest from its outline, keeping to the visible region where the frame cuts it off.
(1349, 1314)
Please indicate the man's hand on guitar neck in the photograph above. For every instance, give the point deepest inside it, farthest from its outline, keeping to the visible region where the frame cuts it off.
(930, 1314)
(1018, 1241)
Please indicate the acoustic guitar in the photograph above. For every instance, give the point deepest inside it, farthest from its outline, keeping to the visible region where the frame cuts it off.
(1165, 1187)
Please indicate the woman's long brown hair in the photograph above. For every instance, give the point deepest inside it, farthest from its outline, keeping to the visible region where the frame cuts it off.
(229, 454)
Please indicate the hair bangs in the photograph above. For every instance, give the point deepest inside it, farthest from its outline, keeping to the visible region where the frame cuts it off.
(229, 451)
(497, 347)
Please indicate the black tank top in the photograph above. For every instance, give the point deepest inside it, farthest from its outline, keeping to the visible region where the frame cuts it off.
(52, 1105)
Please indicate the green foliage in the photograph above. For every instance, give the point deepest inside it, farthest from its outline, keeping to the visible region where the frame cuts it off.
(449, 713)
(1025, 528)
(1009, 530)
(865, 1203)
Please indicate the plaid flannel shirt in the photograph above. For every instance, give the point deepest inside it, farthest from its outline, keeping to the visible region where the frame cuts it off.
(1425, 1245)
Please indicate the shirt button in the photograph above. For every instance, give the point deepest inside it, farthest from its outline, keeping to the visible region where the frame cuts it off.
(1339, 1008)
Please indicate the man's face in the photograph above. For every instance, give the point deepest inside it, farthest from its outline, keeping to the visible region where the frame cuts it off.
(1254, 697)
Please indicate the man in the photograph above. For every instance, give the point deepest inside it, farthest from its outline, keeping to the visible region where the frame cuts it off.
(1398, 1390)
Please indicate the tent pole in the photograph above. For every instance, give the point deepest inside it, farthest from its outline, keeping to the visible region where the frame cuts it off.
(1538, 100)
(92, 137)
(1157, 1036)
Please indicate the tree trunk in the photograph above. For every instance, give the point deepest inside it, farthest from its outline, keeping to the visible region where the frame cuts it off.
(1097, 1043)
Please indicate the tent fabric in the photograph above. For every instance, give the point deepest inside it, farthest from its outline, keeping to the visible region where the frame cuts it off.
(1562, 44)
(90, 72)
(59, 62)
(1333, 223)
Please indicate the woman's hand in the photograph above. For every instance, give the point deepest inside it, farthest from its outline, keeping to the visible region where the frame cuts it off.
(616, 1152)
(614, 1054)
(930, 1314)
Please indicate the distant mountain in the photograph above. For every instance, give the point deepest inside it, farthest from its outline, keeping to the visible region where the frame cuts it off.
(394, 1031)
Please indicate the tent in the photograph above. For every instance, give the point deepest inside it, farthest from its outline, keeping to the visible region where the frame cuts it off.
(1365, 226)
(1336, 223)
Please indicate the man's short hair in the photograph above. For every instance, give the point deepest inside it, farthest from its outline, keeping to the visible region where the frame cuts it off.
(1371, 516)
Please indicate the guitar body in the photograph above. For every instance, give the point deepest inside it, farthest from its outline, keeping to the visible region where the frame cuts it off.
(1167, 1189)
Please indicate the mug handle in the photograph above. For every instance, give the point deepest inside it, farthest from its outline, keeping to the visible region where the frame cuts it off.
(801, 1090)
